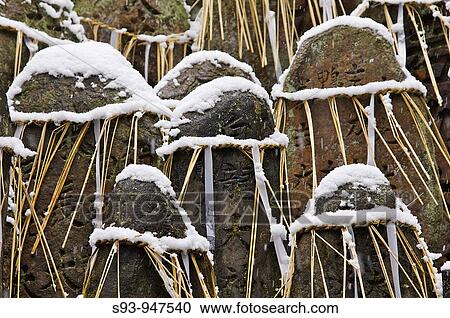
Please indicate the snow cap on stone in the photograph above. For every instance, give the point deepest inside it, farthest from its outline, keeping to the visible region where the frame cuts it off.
(147, 173)
(207, 95)
(83, 60)
(357, 174)
(215, 57)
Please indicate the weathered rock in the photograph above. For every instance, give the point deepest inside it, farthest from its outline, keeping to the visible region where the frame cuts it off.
(318, 63)
(237, 114)
(197, 69)
(231, 41)
(242, 116)
(339, 279)
(45, 94)
(446, 283)
(34, 15)
(348, 197)
(7, 58)
(373, 279)
(150, 17)
(378, 65)
(144, 17)
(141, 206)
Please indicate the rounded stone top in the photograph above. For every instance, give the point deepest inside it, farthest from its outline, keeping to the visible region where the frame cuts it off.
(354, 187)
(142, 210)
(355, 194)
(199, 68)
(143, 200)
(143, 207)
(79, 82)
(230, 106)
(345, 56)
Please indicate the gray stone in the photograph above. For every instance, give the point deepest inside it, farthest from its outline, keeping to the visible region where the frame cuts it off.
(368, 58)
(150, 17)
(143, 207)
(373, 55)
(333, 266)
(44, 93)
(349, 197)
(446, 283)
(200, 73)
(239, 115)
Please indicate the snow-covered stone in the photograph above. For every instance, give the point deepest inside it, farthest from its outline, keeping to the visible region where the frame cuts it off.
(147, 173)
(217, 58)
(16, 145)
(357, 174)
(83, 60)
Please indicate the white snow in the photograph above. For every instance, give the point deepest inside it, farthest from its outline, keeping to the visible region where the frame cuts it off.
(16, 145)
(357, 174)
(438, 283)
(32, 33)
(64, 7)
(410, 83)
(207, 95)
(147, 173)
(277, 139)
(371, 126)
(216, 57)
(446, 266)
(191, 242)
(351, 21)
(80, 85)
(343, 218)
(10, 220)
(84, 60)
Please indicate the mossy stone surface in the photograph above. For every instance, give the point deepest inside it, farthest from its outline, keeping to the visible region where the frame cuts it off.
(340, 57)
(152, 17)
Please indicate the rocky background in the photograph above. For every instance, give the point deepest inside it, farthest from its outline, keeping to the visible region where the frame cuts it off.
(153, 17)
